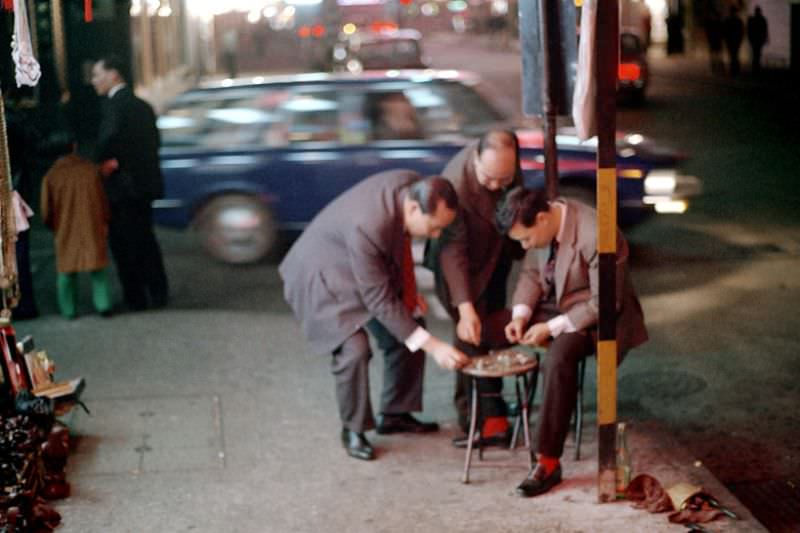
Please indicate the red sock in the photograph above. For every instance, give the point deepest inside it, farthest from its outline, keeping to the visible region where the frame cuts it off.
(494, 425)
(549, 463)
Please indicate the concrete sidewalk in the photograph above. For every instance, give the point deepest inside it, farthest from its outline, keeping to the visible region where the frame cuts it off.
(218, 422)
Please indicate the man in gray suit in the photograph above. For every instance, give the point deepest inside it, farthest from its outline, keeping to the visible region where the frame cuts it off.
(556, 298)
(351, 269)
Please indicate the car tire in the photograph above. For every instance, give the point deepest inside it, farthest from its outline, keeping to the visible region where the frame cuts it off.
(236, 228)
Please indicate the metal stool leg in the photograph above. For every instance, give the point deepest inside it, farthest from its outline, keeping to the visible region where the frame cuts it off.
(579, 409)
(525, 405)
(529, 394)
(473, 422)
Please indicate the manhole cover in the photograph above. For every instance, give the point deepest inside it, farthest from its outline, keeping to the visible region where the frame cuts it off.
(668, 384)
(776, 503)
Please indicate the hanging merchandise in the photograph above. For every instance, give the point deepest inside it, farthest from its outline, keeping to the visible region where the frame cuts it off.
(28, 71)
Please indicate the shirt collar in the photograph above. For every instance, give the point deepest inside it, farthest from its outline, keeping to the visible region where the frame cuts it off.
(115, 89)
(561, 205)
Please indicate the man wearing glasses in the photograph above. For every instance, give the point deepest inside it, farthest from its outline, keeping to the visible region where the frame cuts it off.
(471, 262)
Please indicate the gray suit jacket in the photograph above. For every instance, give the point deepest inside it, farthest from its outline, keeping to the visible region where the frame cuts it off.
(345, 268)
(576, 279)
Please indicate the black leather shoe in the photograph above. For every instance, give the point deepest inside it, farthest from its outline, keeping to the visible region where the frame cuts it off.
(404, 423)
(538, 482)
(500, 439)
(357, 445)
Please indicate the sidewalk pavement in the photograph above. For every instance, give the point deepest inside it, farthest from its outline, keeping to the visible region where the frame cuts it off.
(220, 422)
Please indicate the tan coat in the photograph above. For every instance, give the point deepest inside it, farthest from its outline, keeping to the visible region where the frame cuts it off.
(576, 279)
(75, 207)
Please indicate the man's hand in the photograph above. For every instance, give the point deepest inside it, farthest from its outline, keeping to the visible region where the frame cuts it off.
(108, 167)
(468, 328)
(444, 354)
(515, 329)
(537, 335)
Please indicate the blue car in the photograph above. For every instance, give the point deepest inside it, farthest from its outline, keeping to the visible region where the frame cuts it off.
(246, 159)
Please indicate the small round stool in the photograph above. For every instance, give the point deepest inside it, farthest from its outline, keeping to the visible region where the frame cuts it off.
(499, 365)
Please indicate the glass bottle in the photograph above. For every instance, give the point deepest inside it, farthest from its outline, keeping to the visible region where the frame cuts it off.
(624, 465)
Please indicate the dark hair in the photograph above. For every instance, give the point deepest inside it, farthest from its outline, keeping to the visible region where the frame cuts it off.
(520, 205)
(114, 62)
(428, 191)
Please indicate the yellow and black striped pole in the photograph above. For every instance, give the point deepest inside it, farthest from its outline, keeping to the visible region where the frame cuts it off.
(607, 61)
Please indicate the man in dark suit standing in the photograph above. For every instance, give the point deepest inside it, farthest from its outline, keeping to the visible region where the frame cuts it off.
(471, 262)
(352, 269)
(556, 298)
(127, 152)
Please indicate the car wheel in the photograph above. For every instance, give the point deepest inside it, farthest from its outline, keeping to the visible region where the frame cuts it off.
(236, 228)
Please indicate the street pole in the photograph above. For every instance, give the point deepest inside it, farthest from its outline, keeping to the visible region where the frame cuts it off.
(607, 61)
(552, 90)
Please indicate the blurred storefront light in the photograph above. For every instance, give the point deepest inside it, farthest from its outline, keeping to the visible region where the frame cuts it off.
(456, 6)
(429, 9)
(207, 9)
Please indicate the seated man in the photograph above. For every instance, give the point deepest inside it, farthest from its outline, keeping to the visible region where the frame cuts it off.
(556, 298)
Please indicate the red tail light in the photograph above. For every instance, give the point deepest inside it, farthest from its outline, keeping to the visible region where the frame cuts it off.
(629, 71)
(318, 30)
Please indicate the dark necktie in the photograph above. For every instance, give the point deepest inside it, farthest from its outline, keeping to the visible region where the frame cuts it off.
(409, 289)
(550, 270)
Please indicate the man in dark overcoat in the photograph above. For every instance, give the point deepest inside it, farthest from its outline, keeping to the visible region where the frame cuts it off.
(127, 152)
(472, 261)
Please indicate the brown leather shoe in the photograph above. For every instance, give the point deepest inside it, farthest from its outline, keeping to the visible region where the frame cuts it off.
(538, 482)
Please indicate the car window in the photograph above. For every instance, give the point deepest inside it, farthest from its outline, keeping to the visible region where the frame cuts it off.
(391, 116)
(450, 108)
(311, 115)
(385, 54)
(219, 119)
(258, 117)
(629, 44)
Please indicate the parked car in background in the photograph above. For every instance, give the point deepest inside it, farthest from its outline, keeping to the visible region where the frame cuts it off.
(245, 159)
(379, 50)
(634, 72)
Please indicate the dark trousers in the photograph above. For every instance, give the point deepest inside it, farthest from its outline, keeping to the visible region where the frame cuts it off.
(492, 338)
(26, 308)
(402, 377)
(491, 308)
(560, 386)
(137, 255)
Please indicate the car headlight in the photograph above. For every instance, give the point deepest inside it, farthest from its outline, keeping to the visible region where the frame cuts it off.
(660, 182)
